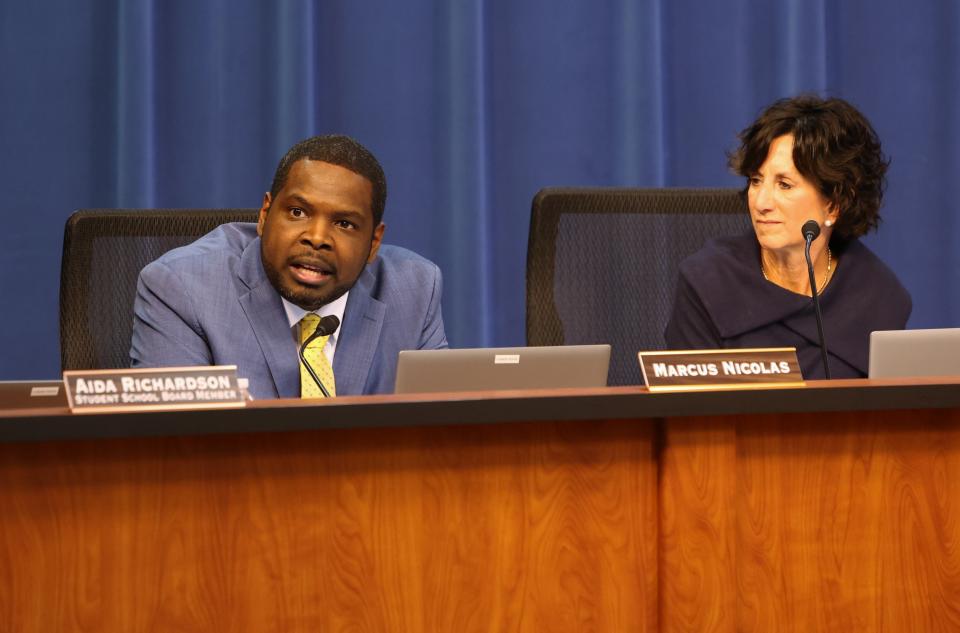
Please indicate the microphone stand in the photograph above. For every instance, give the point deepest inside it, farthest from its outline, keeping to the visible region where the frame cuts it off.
(327, 326)
(313, 374)
(809, 236)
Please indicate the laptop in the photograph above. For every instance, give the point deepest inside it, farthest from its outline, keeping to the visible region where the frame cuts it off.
(31, 394)
(904, 353)
(422, 371)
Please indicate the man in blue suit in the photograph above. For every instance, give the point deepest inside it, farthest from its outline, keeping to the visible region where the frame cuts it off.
(237, 295)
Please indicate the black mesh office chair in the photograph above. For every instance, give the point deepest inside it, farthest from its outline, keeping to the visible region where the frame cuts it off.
(103, 253)
(602, 264)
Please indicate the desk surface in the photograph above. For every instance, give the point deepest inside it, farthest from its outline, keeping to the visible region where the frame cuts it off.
(828, 508)
(612, 403)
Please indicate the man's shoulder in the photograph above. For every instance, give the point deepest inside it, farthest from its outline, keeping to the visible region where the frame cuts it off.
(399, 276)
(212, 261)
(226, 242)
(399, 254)
(398, 260)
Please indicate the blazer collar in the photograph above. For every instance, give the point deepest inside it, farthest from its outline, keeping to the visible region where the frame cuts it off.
(732, 288)
(360, 334)
(264, 310)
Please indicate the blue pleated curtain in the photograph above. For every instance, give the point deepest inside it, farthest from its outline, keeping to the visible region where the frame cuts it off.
(470, 106)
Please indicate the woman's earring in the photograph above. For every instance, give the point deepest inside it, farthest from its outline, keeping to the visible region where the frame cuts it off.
(828, 223)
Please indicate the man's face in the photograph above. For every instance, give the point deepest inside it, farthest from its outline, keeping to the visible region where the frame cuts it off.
(318, 233)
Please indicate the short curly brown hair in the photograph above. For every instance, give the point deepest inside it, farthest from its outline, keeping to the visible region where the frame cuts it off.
(834, 147)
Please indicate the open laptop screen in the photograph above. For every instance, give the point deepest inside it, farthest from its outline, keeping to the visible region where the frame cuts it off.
(30, 394)
(904, 353)
(420, 371)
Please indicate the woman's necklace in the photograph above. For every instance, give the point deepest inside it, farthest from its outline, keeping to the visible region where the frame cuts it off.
(826, 275)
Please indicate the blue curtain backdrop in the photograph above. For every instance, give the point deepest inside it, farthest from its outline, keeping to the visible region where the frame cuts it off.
(471, 107)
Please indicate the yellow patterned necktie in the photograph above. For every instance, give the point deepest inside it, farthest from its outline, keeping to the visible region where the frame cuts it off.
(317, 359)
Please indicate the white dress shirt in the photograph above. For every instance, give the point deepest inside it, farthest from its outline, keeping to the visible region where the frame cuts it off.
(295, 313)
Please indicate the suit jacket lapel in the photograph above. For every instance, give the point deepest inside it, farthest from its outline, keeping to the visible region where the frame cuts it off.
(264, 311)
(360, 335)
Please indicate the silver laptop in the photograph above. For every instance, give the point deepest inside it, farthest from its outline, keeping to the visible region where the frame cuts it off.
(904, 353)
(420, 371)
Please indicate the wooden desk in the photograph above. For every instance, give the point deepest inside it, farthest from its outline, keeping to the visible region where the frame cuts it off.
(830, 508)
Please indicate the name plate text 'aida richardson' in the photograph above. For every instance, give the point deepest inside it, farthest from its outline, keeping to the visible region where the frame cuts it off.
(696, 370)
(153, 389)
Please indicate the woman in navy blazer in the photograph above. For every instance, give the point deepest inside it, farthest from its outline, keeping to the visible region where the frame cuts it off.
(804, 158)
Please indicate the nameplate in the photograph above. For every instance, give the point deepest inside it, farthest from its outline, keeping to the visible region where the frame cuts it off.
(700, 370)
(169, 388)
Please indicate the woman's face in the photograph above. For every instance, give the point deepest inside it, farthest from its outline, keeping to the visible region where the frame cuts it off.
(781, 200)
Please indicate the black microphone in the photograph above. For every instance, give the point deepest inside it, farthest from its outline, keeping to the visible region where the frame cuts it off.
(810, 232)
(327, 326)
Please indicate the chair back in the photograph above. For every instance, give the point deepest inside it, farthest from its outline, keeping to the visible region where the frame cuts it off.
(602, 264)
(103, 253)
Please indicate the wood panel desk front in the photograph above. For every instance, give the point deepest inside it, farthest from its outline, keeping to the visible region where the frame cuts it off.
(830, 508)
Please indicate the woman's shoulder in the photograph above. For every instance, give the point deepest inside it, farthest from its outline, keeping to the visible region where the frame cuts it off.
(873, 282)
(726, 279)
(727, 253)
(866, 261)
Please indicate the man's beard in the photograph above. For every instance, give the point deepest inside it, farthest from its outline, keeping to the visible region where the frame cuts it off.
(302, 298)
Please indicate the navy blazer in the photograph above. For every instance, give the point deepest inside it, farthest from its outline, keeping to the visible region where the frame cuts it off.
(723, 301)
(210, 303)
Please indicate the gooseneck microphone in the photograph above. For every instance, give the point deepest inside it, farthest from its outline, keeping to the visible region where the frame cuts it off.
(327, 326)
(810, 232)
